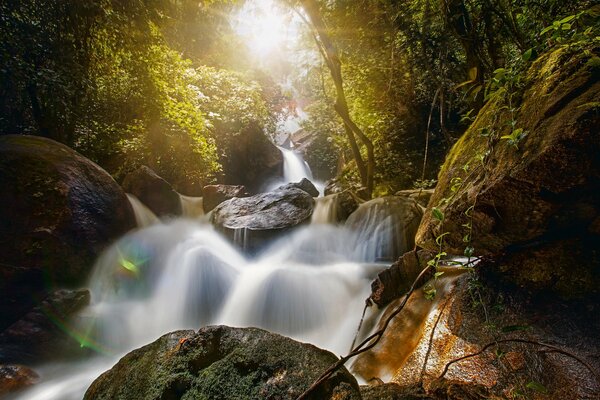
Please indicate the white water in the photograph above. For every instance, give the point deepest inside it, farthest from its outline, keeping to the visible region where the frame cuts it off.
(295, 169)
(310, 285)
(192, 207)
(143, 215)
(326, 210)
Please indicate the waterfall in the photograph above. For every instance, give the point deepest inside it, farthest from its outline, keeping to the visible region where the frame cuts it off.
(192, 207)
(143, 215)
(295, 168)
(326, 210)
(310, 285)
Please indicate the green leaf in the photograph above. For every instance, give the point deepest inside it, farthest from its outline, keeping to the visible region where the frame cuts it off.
(469, 251)
(567, 19)
(527, 55)
(437, 214)
(547, 29)
(538, 387)
(438, 274)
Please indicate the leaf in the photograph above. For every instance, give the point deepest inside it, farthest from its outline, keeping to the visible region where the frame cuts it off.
(538, 387)
(438, 274)
(437, 214)
(513, 328)
(473, 73)
(469, 251)
(566, 27)
(546, 30)
(527, 55)
(567, 19)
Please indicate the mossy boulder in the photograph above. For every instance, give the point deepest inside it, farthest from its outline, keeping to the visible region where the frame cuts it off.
(153, 191)
(528, 198)
(219, 363)
(58, 211)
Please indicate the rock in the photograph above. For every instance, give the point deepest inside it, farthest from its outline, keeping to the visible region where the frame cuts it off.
(251, 160)
(44, 333)
(16, 377)
(305, 185)
(420, 196)
(536, 196)
(251, 222)
(395, 281)
(386, 227)
(213, 195)
(392, 391)
(153, 191)
(462, 318)
(58, 211)
(219, 362)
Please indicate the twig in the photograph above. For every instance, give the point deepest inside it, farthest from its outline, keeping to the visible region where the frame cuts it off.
(366, 344)
(497, 342)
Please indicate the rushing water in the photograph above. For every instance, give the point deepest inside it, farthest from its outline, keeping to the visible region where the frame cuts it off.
(309, 285)
(295, 169)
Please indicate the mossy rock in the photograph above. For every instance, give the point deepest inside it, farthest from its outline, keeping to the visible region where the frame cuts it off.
(58, 211)
(220, 362)
(536, 194)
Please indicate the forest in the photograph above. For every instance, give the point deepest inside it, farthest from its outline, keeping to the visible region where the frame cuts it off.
(368, 199)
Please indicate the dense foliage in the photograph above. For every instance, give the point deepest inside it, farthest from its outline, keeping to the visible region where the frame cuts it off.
(169, 83)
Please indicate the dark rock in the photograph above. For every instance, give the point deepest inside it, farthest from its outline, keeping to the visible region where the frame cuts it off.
(534, 198)
(395, 281)
(16, 377)
(347, 203)
(251, 222)
(152, 190)
(304, 184)
(420, 196)
(43, 334)
(251, 159)
(386, 227)
(213, 195)
(392, 391)
(58, 211)
(219, 362)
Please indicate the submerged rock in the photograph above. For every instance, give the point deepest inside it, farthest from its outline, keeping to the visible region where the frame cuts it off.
(43, 334)
(16, 377)
(58, 211)
(213, 195)
(153, 191)
(533, 196)
(219, 362)
(253, 221)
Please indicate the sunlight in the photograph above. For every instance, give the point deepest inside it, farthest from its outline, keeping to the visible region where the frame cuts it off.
(265, 27)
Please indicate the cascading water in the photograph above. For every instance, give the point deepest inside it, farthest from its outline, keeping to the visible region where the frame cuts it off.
(326, 210)
(295, 169)
(143, 215)
(309, 285)
(192, 207)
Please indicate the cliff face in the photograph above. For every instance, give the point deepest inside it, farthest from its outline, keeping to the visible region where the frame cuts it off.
(533, 202)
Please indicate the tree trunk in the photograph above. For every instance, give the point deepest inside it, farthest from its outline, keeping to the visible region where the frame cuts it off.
(330, 54)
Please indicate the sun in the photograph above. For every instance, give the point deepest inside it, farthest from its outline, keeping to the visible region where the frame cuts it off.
(264, 26)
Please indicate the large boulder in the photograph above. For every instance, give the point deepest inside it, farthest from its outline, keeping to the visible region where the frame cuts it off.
(253, 221)
(213, 195)
(44, 333)
(153, 191)
(251, 159)
(219, 362)
(58, 211)
(534, 199)
(386, 227)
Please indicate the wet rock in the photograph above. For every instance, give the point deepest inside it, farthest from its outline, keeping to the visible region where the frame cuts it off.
(534, 196)
(386, 227)
(44, 333)
(251, 222)
(395, 281)
(251, 159)
(219, 362)
(460, 320)
(305, 185)
(392, 391)
(58, 211)
(153, 191)
(420, 196)
(216, 194)
(16, 377)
